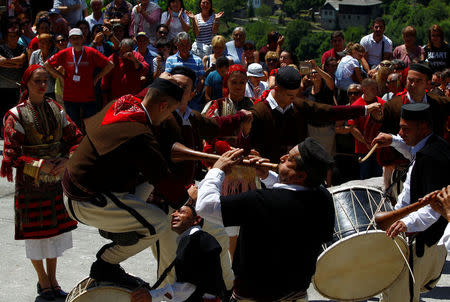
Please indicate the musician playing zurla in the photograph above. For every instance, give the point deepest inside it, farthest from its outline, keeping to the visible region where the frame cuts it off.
(297, 215)
(429, 157)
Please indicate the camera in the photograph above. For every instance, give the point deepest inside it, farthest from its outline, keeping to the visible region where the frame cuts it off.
(305, 67)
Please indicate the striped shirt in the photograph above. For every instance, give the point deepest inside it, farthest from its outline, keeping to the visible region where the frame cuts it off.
(205, 36)
(193, 62)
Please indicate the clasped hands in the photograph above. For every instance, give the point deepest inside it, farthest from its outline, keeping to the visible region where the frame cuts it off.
(54, 167)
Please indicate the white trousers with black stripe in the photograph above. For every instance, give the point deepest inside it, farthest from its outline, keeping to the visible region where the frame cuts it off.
(115, 219)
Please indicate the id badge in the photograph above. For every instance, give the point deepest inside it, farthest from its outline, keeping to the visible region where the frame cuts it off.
(76, 78)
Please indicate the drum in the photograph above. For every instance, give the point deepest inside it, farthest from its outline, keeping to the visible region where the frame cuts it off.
(89, 290)
(361, 261)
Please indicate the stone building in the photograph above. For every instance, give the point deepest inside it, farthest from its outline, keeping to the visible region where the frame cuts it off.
(340, 14)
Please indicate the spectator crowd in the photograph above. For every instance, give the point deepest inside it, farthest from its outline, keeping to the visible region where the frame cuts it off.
(94, 55)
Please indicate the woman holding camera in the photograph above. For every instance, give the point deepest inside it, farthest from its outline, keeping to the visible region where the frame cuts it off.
(349, 70)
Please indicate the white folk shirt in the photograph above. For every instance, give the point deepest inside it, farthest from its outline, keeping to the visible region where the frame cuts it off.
(208, 200)
(423, 218)
(445, 240)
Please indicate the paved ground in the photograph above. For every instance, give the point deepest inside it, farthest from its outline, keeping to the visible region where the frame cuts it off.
(18, 278)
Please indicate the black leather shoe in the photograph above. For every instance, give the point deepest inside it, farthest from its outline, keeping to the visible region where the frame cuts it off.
(45, 293)
(58, 292)
(104, 271)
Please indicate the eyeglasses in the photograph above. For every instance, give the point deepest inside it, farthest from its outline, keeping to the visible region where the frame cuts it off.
(354, 93)
(313, 72)
(385, 64)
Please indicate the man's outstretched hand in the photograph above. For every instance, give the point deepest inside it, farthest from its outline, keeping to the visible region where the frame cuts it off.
(229, 159)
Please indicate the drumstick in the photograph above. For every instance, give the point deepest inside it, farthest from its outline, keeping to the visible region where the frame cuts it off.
(368, 154)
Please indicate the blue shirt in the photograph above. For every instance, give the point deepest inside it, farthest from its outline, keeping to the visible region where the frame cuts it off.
(235, 53)
(193, 62)
(214, 80)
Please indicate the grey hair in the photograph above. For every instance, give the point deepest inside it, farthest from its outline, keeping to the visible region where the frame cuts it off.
(239, 28)
(128, 42)
(182, 36)
(355, 86)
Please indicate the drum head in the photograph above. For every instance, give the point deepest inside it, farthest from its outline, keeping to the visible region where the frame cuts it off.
(89, 291)
(359, 266)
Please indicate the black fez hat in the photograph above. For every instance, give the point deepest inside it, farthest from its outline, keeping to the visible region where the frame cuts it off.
(168, 87)
(422, 68)
(416, 112)
(314, 156)
(288, 77)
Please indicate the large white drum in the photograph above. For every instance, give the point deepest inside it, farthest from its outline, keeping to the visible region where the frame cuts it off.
(361, 261)
(88, 290)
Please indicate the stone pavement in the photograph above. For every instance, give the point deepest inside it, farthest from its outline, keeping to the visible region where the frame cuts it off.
(18, 278)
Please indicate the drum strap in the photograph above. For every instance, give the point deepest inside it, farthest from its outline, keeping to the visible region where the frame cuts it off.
(163, 275)
(399, 176)
(411, 264)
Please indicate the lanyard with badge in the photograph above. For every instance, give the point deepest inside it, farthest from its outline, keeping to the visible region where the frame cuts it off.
(76, 77)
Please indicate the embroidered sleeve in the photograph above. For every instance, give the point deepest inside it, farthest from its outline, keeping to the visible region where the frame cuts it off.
(14, 135)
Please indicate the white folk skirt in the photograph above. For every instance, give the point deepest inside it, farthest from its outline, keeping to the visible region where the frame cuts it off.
(47, 248)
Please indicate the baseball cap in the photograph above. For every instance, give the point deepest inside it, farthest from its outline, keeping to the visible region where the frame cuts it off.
(75, 32)
(255, 70)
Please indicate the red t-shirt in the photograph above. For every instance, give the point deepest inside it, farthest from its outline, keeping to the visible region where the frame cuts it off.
(124, 78)
(361, 123)
(34, 44)
(330, 53)
(81, 91)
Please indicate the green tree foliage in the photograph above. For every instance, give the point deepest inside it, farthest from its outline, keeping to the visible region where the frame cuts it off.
(354, 33)
(402, 13)
(264, 11)
(257, 31)
(293, 7)
(295, 31)
(313, 45)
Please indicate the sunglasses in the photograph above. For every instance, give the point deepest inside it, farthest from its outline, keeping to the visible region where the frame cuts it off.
(249, 48)
(385, 64)
(162, 32)
(354, 93)
(60, 41)
(313, 72)
(272, 60)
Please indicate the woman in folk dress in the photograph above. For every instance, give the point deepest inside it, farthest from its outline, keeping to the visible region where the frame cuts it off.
(39, 137)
